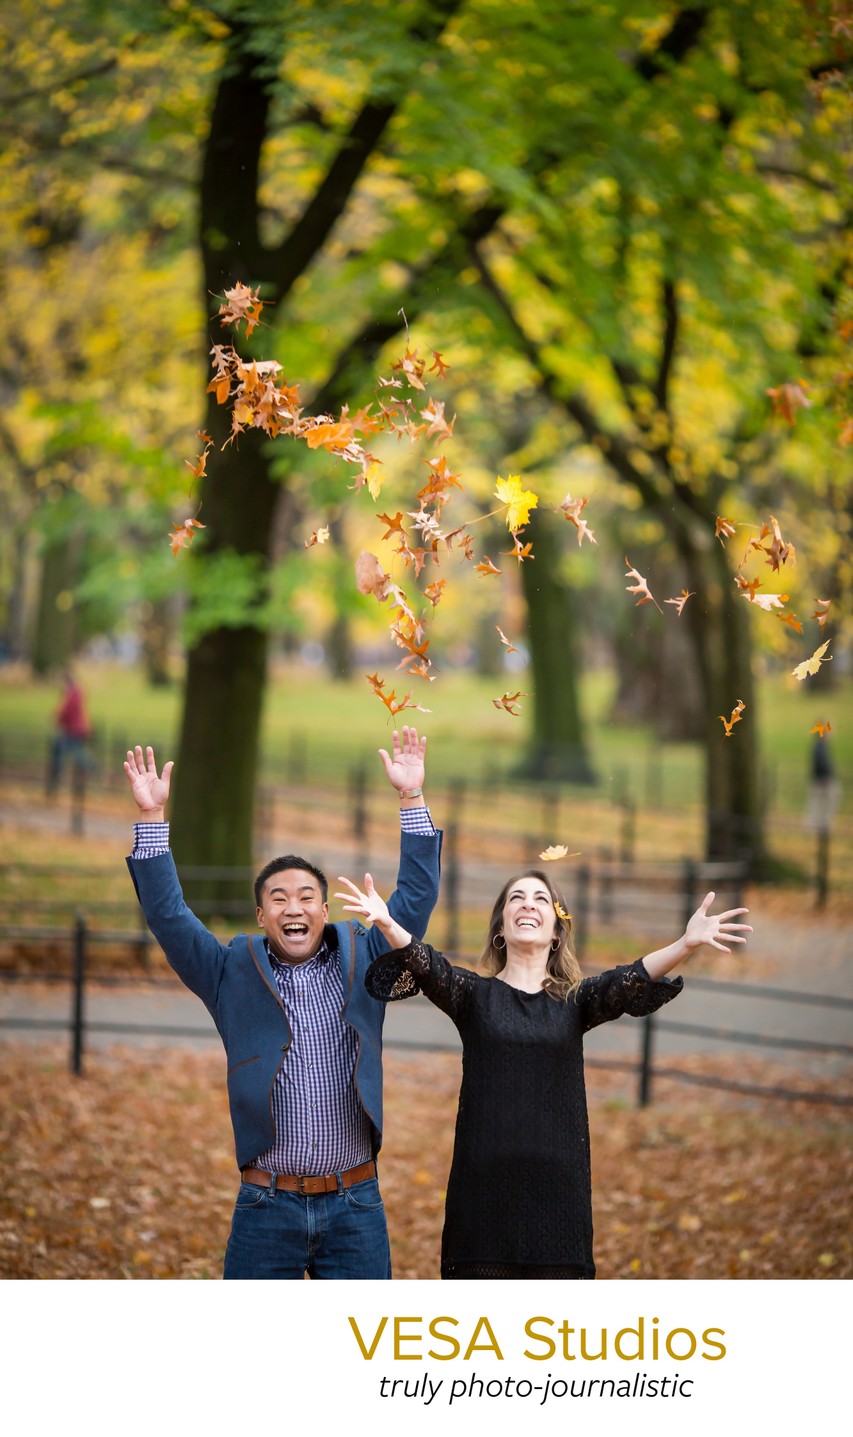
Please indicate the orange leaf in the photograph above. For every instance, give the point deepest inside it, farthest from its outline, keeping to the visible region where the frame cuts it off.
(519, 551)
(821, 612)
(821, 729)
(723, 528)
(737, 711)
(572, 510)
(242, 303)
(791, 620)
(641, 588)
(510, 648)
(183, 534)
(510, 702)
(486, 567)
(789, 398)
(434, 591)
(318, 536)
(679, 603)
(395, 525)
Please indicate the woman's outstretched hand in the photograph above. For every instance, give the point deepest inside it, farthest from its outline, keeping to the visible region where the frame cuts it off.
(368, 904)
(705, 927)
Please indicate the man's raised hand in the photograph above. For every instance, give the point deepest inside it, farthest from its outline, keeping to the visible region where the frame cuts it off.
(149, 789)
(405, 769)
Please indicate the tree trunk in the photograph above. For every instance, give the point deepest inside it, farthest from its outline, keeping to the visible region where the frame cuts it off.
(216, 771)
(719, 620)
(557, 749)
(55, 626)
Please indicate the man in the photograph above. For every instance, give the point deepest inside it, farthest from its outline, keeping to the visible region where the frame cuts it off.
(302, 1037)
(73, 732)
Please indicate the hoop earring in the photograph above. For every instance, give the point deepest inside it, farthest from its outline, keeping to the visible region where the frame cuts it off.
(495, 944)
(555, 944)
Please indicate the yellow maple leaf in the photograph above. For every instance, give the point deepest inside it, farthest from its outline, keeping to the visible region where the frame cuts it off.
(811, 666)
(519, 501)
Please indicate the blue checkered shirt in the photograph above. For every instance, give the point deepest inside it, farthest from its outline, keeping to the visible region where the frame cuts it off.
(320, 1125)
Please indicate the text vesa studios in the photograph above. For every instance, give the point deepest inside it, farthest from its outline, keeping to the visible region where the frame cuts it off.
(541, 1339)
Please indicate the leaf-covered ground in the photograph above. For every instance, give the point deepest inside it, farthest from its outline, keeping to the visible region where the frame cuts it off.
(128, 1171)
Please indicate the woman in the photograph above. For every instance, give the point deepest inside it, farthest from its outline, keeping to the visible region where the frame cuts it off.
(518, 1197)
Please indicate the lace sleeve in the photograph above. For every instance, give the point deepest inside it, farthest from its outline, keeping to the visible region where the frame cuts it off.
(419, 969)
(627, 989)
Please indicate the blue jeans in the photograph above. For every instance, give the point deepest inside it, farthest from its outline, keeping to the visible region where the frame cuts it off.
(334, 1235)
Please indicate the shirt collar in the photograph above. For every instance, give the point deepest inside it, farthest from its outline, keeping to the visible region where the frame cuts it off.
(320, 957)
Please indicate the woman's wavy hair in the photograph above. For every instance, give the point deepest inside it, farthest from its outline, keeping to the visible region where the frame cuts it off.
(564, 974)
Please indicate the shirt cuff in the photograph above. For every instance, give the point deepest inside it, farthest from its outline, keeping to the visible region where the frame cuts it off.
(417, 820)
(150, 840)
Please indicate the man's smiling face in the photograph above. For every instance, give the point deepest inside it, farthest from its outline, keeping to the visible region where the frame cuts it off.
(293, 914)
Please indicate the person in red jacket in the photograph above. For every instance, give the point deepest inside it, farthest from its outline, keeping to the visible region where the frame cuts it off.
(73, 732)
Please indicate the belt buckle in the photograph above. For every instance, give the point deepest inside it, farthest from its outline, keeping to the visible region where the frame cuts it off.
(300, 1185)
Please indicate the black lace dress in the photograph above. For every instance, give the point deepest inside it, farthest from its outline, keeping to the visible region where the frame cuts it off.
(518, 1198)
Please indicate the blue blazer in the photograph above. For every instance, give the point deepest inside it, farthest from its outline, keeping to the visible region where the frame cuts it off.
(236, 985)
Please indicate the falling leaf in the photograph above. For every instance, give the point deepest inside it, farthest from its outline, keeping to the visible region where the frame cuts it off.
(777, 551)
(318, 536)
(555, 851)
(767, 602)
(242, 303)
(821, 612)
(183, 534)
(811, 666)
(486, 567)
(434, 591)
(791, 620)
(433, 413)
(747, 586)
(439, 364)
(679, 603)
(640, 587)
(510, 702)
(821, 729)
(510, 648)
(737, 711)
(519, 551)
(199, 468)
(789, 398)
(395, 525)
(370, 577)
(519, 501)
(391, 702)
(572, 510)
(723, 528)
(561, 912)
(412, 366)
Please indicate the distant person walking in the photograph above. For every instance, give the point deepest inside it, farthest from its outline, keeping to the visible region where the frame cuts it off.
(73, 731)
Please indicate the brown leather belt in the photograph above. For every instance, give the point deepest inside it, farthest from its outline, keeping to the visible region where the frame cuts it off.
(309, 1185)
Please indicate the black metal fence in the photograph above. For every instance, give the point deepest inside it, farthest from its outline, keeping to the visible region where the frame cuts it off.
(646, 1071)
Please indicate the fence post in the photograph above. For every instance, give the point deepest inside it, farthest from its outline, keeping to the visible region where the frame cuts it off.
(78, 994)
(581, 914)
(644, 1096)
(605, 886)
(688, 890)
(358, 799)
(822, 868)
(451, 884)
(626, 853)
(78, 796)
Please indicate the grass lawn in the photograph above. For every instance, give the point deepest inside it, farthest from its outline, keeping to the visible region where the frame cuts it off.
(318, 729)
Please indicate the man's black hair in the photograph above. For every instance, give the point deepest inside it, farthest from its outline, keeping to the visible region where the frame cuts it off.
(290, 860)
